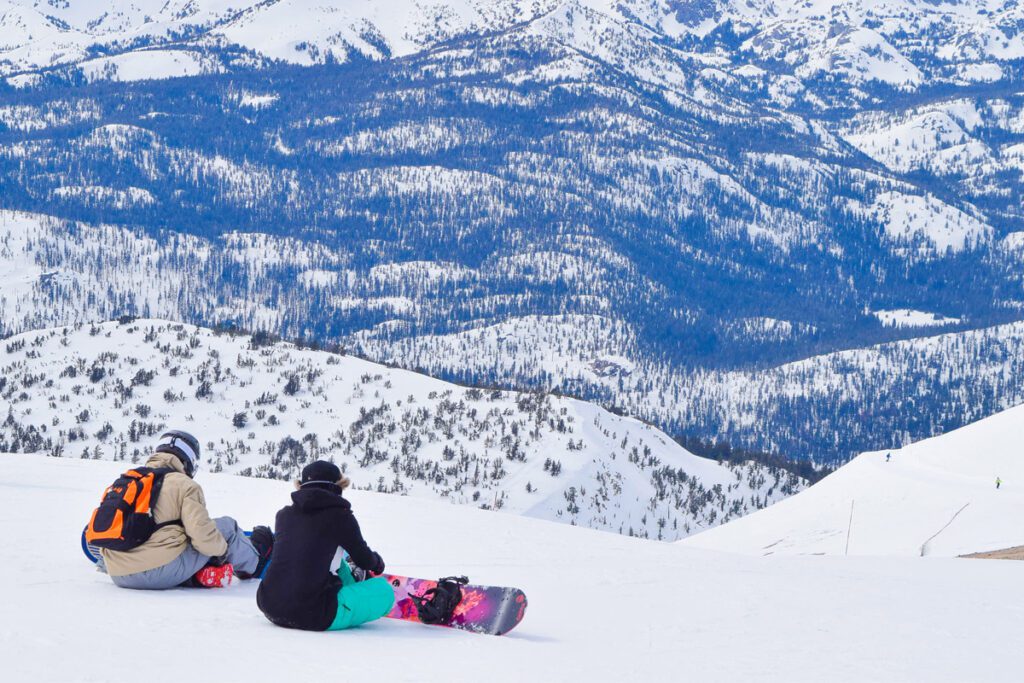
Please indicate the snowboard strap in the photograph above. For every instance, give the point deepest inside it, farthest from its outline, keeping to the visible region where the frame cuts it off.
(437, 605)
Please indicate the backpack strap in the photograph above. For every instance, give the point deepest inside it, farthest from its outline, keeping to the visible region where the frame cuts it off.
(158, 484)
(177, 522)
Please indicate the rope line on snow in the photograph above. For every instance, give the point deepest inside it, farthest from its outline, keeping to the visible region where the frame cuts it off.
(849, 527)
(924, 546)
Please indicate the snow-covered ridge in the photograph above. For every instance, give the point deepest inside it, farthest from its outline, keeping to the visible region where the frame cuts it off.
(106, 391)
(936, 497)
(54, 270)
(899, 43)
(52, 274)
(42, 34)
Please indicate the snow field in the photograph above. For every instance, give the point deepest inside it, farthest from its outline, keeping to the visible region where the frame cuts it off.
(936, 497)
(602, 607)
(906, 317)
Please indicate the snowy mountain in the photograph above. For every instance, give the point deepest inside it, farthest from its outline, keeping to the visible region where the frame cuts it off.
(829, 404)
(902, 43)
(42, 34)
(936, 497)
(601, 607)
(266, 409)
(622, 197)
(59, 273)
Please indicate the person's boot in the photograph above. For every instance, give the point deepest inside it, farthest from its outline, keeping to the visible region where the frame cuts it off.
(262, 540)
(214, 576)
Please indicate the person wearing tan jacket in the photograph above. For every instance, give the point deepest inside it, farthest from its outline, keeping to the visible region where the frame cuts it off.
(186, 540)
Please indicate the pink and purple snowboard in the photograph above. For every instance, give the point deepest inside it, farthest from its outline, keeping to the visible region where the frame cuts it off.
(483, 609)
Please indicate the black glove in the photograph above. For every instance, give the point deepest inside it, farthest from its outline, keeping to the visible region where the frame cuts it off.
(218, 561)
(378, 567)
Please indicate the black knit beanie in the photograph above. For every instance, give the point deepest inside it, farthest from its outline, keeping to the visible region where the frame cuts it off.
(321, 475)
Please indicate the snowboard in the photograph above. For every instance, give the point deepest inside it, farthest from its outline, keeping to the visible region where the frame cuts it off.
(91, 551)
(494, 610)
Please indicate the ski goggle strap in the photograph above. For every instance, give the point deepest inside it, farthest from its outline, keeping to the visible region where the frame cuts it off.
(186, 450)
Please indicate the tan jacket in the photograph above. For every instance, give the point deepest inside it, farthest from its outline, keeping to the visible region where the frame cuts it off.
(180, 498)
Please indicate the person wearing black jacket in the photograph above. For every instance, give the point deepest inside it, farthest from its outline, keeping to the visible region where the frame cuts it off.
(298, 589)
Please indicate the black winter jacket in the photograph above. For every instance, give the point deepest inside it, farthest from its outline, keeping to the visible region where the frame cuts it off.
(299, 590)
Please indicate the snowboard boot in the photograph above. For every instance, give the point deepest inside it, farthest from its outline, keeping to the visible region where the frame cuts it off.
(262, 540)
(214, 577)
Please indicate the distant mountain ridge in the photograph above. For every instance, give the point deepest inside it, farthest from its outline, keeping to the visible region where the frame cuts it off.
(904, 43)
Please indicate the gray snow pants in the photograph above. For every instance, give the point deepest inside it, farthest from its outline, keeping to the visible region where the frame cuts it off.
(240, 553)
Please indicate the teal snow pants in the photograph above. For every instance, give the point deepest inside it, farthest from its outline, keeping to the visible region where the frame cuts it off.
(360, 601)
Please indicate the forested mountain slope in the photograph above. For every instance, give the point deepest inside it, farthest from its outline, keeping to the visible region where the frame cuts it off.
(818, 408)
(267, 409)
(654, 189)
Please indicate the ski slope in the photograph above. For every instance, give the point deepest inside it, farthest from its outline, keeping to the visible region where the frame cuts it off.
(935, 497)
(602, 607)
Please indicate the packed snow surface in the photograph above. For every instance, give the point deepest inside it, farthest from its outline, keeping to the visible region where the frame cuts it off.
(936, 497)
(602, 607)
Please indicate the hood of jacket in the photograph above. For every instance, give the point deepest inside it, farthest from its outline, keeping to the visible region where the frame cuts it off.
(166, 460)
(313, 499)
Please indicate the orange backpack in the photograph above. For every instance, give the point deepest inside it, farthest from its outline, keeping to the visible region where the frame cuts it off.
(124, 518)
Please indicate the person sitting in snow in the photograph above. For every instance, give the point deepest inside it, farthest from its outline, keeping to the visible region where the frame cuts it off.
(187, 548)
(299, 589)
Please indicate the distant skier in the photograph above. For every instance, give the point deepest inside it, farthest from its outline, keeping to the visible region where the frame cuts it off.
(175, 542)
(999, 482)
(888, 456)
(299, 589)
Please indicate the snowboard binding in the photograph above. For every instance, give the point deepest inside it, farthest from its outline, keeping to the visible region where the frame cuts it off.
(437, 605)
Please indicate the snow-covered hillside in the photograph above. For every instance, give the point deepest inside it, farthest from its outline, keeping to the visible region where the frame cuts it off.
(59, 273)
(264, 409)
(936, 497)
(818, 407)
(634, 201)
(601, 607)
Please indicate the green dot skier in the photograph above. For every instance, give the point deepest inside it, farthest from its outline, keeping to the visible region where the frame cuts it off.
(999, 482)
